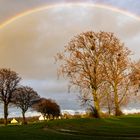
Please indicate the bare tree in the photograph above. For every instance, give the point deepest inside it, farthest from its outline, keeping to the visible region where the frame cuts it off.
(23, 98)
(107, 98)
(82, 63)
(117, 70)
(135, 75)
(91, 60)
(47, 107)
(9, 81)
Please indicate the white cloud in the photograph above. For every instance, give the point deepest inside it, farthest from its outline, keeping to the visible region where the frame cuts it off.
(131, 111)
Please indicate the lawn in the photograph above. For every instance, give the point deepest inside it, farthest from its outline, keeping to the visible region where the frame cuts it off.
(115, 128)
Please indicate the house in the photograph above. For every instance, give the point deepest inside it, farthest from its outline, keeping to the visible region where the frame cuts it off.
(41, 118)
(14, 121)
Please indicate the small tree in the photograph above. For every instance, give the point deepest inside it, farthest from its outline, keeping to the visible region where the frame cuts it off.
(47, 108)
(23, 98)
(9, 81)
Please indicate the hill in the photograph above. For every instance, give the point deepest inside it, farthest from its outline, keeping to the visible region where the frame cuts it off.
(122, 128)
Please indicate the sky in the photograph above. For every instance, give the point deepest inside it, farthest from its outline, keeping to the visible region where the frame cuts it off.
(29, 42)
(9, 8)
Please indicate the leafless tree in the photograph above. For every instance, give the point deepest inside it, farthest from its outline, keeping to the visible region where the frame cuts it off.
(23, 98)
(9, 81)
(135, 75)
(117, 70)
(82, 63)
(107, 98)
(90, 60)
(135, 79)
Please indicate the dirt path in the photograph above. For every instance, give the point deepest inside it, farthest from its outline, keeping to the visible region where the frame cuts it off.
(77, 134)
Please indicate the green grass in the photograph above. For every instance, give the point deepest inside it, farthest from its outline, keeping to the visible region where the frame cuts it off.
(115, 128)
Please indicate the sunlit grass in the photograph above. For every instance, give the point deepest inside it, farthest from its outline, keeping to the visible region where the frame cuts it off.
(125, 127)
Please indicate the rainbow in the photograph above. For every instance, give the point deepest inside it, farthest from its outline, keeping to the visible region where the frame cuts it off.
(26, 13)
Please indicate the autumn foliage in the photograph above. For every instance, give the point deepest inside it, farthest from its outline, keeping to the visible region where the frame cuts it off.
(99, 65)
(47, 107)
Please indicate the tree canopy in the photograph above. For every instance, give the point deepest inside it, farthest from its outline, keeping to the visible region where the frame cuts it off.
(92, 61)
(47, 107)
(23, 98)
(9, 81)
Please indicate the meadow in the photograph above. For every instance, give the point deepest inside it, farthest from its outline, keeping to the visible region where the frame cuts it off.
(113, 128)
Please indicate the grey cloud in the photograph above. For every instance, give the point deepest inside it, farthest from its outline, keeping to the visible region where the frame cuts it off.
(131, 29)
(56, 90)
(32, 41)
(28, 45)
(10, 8)
(131, 6)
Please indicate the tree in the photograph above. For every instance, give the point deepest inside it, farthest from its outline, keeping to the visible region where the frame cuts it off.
(89, 61)
(135, 75)
(47, 108)
(117, 71)
(135, 80)
(9, 81)
(23, 98)
(107, 98)
(81, 63)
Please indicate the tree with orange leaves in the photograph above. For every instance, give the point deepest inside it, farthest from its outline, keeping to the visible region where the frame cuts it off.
(90, 61)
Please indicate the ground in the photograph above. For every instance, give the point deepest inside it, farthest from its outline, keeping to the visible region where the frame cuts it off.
(114, 128)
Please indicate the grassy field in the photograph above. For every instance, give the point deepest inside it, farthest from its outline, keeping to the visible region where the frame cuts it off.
(116, 128)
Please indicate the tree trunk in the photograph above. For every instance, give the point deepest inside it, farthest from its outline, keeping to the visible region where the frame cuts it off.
(117, 107)
(5, 114)
(108, 104)
(24, 119)
(44, 116)
(96, 105)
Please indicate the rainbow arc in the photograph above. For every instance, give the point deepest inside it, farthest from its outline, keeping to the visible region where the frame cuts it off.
(26, 13)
